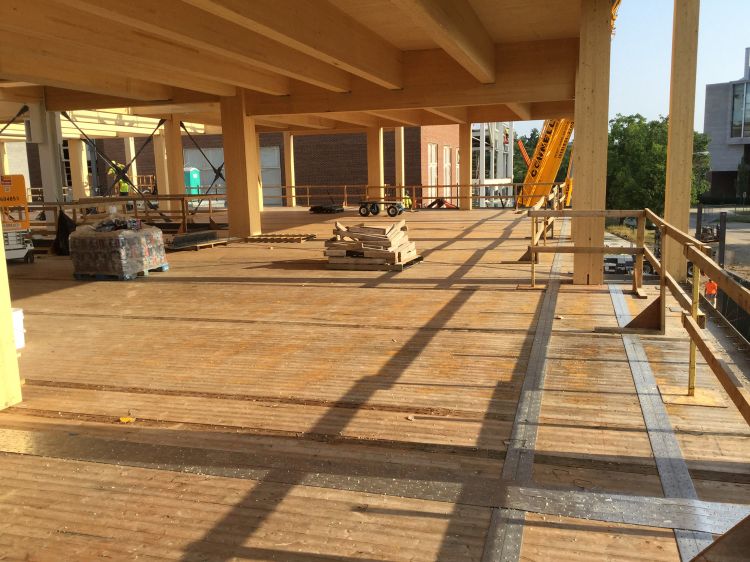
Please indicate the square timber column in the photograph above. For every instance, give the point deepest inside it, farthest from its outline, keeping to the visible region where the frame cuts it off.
(259, 160)
(4, 165)
(242, 167)
(289, 180)
(175, 164)
(375, 174)
(129, 154)
(399, 148)
(10, 378)
(160, 164)
(591, 137)
(464, 166)
(79, 169)
(680, 135)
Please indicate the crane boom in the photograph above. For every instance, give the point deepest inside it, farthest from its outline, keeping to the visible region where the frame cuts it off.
(524, 154)
(548, 155)
(549, 152)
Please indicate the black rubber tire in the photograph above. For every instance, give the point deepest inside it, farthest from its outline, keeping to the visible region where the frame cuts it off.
(29, 257)
(364, 210)
(392, 211)
(375, 209)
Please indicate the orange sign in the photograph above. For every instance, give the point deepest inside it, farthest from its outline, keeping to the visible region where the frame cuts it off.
(13, 203)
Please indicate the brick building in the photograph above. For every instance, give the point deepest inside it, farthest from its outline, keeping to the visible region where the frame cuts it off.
(431, 159)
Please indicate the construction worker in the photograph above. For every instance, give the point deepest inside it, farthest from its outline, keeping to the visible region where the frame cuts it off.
(123, 187)
(710, 291)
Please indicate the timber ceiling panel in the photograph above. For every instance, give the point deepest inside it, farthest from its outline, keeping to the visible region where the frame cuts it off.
(389, 21)
(297, 62)
(521, 20)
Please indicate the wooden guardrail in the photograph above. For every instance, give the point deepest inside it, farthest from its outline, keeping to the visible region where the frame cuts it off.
(417, 196)
(150, 208)
(653, 317)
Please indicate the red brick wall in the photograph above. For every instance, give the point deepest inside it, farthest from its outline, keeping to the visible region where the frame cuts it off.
(319, 159)
(442, 135)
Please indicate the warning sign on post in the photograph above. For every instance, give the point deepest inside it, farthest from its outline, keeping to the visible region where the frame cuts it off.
(13, 203)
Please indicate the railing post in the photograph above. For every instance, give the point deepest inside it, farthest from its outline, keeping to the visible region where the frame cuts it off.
(640, 239)
(694, 314)
(663, 283)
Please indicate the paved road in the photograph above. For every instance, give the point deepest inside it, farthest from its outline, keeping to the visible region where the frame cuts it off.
(738, 243)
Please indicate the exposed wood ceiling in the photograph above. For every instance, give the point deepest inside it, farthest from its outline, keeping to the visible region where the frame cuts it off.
(304, 65)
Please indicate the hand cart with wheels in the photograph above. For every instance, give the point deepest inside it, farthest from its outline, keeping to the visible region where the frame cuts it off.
(14, 209)
(373, 207)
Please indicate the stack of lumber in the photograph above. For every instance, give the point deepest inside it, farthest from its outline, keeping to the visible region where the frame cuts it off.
(363, 247)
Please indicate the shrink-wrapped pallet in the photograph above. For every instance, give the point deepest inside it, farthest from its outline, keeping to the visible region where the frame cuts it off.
(122, 254)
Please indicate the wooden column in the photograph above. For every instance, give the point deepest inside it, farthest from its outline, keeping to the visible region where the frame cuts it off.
(261, 203)
(79, 169)
(4, 167)
(464, 166)
(375, 174)
(291, 191)
(129, 154)
(160, 164)
(175, 157)
(10, 379)
(591, 136)
(50, 154)
(242, 167)
(399, 147)
(680, 137)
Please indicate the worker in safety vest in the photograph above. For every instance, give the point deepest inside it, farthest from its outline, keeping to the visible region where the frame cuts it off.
(710, 290)
(123, 187)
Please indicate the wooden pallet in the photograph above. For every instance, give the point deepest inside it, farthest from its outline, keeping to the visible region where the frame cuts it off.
(121, 277)
(207, 244)
(371, 265)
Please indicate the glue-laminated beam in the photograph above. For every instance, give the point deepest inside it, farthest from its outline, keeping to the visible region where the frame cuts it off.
(680, 136)
(242, 168)
(591, 119)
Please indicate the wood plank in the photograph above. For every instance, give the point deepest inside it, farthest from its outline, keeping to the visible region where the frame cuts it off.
(735, 291)
(733, 386)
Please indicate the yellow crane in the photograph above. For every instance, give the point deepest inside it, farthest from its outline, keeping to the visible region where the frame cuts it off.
(549, 152)
(545, 163)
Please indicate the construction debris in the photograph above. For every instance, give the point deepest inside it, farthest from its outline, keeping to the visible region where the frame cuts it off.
(377, 248)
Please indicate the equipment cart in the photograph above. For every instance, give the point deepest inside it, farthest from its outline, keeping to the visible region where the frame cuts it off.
(372, 207)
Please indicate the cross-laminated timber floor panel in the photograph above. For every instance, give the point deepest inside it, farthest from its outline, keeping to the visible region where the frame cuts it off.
(288, 412)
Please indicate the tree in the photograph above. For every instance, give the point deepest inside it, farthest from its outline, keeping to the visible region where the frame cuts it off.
(637, 163)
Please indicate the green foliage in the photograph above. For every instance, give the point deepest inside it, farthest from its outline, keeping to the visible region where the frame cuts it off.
(637, 163)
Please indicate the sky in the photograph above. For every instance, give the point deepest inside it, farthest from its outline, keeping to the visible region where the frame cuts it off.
(642, 51)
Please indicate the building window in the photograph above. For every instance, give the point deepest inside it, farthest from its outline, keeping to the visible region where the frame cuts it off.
(447, 164)
(458, 175)
(432, 175)
(738, 109)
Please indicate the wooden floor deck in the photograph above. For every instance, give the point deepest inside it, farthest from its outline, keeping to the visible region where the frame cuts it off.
(288, 412)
